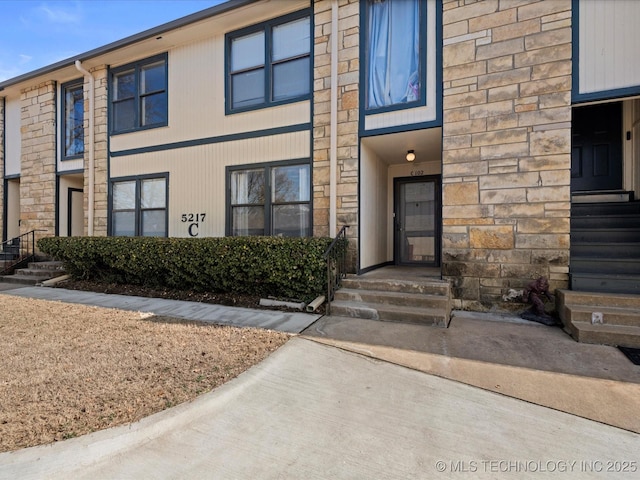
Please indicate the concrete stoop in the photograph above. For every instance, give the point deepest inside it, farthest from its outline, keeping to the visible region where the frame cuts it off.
(416, 301)
(604, 318)
(35, 273)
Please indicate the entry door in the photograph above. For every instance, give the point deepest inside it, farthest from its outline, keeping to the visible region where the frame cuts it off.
(417, 221)
(596, 150)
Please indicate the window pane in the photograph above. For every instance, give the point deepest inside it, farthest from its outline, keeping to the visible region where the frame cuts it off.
(153, 223)
(291, 39)
(393, 60)
(125, 85)
(247, 52)
(154, 109)
(290, 184)
(247, 88)
(124, 224)
(73, 121)
(124, 115)
(247, 187)
(152, 78)
(291, 220)
(291, 79)
(153, 193)
(124, 195)
(247, 221)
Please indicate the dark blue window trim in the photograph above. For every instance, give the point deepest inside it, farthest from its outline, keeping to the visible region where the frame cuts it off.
(63, 119)
(138, 221)
(266, 27)
(267, 166)
(219, 139)
(364, 64)
(137, 66)
(576, 96)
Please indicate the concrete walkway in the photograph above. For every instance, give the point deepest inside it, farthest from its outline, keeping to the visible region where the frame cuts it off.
(339, 402)
(314, 411)
(290, 322)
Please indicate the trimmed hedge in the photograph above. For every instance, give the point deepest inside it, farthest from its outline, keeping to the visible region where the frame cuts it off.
(285, 267)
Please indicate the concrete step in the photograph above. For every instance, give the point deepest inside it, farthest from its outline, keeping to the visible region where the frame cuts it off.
(602, 334)
(391, 313)
(392, 298)
(610, 315)
(594, 282)
(36, 273)
(431, 286)
(48, 265)
(20, 279)
(625, 266)
(620, 317)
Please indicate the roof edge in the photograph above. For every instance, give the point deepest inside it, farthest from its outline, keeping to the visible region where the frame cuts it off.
(155, 31)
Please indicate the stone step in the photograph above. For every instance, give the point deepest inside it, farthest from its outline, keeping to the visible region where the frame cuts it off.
(616, 335)
(597, 235)
(47, 265)
(391, 313)
(604, 208)
(431, 287)
(392, 298)
(38, 272)
(606, 221)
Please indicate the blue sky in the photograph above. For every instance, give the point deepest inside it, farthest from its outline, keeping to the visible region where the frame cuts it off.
(36, 33)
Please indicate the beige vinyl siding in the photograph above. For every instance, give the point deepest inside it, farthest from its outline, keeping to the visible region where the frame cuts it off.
(12, 137)
(196, 86)
(197, 179)
(67, 182)
(373, 201)
(608, 45)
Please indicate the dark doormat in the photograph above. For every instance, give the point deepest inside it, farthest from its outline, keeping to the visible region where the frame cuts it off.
(632, 354)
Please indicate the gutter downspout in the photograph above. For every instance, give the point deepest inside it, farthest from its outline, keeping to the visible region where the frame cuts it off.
(333, 146)
(92, 94)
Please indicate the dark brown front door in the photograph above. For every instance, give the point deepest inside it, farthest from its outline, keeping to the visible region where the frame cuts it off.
(596, 149)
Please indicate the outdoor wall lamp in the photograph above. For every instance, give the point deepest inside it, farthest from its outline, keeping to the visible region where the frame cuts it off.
(411, 156)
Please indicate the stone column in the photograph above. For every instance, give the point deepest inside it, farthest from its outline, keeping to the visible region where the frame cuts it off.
(506, 146)
(38, 160)
(348, 115)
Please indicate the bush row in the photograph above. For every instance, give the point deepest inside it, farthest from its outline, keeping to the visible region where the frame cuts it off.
(291, 268)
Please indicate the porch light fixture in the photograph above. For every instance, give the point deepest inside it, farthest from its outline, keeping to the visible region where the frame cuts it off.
(411, 156)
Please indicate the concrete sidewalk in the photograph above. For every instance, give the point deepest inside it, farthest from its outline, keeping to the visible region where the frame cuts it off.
(315, 411)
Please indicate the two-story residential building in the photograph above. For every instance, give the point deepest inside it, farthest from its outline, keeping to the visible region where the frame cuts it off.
(494, 140)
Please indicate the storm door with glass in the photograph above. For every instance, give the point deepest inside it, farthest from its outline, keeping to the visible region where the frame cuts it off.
(417, 221)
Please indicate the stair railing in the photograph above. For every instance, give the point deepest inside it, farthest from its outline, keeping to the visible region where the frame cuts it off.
(336, 258)
(17, 251)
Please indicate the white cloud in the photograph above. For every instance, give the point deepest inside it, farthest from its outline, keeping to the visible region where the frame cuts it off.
(59, 14)
(24, 59)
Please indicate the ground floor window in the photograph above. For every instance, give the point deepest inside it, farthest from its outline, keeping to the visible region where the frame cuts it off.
(269, 199)
(139, 206)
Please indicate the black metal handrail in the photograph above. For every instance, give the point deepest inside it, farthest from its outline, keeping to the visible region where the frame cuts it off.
(336, 258)
(17, 251)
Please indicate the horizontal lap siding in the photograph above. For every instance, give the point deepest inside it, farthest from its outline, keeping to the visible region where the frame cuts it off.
(609, 45)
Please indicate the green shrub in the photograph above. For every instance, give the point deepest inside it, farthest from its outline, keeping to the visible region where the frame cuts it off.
(284, 267)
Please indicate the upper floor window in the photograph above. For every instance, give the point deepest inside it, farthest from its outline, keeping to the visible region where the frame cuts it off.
(269, 64)
(393, 61)
(139, 206)
(271, 199)
(73, 120)
(139, 95)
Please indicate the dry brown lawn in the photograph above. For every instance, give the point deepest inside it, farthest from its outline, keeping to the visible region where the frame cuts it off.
(67, 370)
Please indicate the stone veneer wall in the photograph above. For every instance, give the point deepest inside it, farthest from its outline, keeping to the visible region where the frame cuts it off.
(100, 154)
(506, 146)
(348, 114)
(38, 160)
